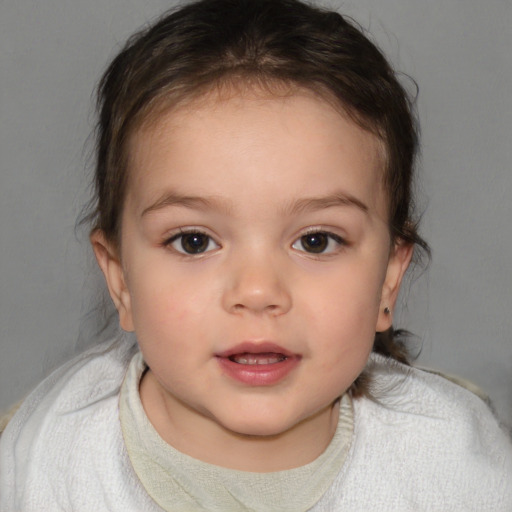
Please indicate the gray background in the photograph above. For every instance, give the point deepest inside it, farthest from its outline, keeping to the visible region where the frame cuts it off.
(459, 51)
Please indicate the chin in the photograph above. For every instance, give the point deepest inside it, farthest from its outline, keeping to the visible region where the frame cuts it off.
(263, 431)
(260, 427)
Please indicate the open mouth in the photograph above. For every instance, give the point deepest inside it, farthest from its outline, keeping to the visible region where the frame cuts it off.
(258, 364)
(257, 359)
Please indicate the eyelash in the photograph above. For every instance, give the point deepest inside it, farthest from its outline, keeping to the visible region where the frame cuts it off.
(322, 238)
(180, 237)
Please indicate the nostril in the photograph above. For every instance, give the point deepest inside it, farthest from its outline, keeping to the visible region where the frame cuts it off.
(256, 291)
(271, 308)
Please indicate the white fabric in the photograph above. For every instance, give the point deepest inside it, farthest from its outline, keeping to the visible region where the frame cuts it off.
(425, 445)
(178, 482)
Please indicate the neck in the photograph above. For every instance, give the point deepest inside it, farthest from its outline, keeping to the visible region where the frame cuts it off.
(203, 438)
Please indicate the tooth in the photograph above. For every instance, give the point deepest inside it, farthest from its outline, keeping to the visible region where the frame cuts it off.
(257, 359)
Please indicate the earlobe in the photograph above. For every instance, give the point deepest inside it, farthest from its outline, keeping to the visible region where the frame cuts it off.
(110, 264)
(398, 263)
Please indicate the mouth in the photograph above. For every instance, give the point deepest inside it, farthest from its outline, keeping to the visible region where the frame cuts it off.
(258, 364)
(257, 359)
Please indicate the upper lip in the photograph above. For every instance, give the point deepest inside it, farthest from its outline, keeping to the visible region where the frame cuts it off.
(251, 347)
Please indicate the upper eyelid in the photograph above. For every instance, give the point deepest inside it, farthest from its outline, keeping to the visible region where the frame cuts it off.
(332, 232)
(169, 242)
(321, 229)
(335, 238)
(175, 234)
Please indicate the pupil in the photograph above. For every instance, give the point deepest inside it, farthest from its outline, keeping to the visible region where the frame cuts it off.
(194, 243)
(315, 242)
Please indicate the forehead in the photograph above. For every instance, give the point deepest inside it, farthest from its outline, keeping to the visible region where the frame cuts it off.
(296, 135)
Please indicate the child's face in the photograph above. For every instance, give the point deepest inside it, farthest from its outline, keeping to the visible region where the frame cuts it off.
(256, 260)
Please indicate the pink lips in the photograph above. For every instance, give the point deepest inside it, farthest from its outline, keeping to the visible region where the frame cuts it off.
(258, 364)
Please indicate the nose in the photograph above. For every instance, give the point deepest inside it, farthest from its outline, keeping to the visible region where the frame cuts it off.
(257, 285)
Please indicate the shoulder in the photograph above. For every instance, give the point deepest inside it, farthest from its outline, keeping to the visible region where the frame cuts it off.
(433, 440)
(68, 423)
(7, 416)
(409, 390)
(82, 382)
(428, 397)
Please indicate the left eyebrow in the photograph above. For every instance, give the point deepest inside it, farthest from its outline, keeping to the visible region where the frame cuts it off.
(329, 201)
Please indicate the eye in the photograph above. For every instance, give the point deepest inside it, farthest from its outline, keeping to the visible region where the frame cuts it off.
(318, 242)
(192, 242)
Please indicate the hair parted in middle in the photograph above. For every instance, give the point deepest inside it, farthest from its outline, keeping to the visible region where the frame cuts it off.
(274, 45)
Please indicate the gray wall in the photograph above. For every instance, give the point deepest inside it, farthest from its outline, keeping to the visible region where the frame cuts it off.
(459, 51)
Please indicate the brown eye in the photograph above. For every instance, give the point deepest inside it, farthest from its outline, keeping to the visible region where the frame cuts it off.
(314, 242)
(319, 242)
(192, 243)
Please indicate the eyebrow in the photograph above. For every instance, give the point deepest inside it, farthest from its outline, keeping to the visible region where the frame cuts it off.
(323, 202)
(216, 203)
(200, 203)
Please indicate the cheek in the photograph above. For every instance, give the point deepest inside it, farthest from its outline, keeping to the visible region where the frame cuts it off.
(342, 317)
(349, 298)
(166, 323)
(165, 303)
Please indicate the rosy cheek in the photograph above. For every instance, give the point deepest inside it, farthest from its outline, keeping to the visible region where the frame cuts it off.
(183, 314)
(181, 310)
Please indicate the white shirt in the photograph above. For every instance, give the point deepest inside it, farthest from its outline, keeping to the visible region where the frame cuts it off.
(424, 444)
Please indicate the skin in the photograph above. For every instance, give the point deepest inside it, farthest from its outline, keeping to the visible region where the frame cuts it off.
(255, 176)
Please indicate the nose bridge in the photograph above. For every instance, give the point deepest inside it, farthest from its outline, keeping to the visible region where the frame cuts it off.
(257, 282)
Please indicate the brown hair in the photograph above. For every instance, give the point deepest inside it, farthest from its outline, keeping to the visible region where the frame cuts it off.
(214, 42)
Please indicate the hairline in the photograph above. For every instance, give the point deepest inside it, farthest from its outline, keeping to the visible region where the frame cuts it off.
(226, 84)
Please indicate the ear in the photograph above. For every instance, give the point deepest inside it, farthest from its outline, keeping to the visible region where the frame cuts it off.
(110, 264)
(399, 260)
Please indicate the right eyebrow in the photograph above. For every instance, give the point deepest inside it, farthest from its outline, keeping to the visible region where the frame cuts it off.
(172, 198)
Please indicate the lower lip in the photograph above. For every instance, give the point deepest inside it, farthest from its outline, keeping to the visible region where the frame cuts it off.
(259, 374)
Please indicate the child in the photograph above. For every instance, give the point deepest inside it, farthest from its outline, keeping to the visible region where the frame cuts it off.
(253, 224)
